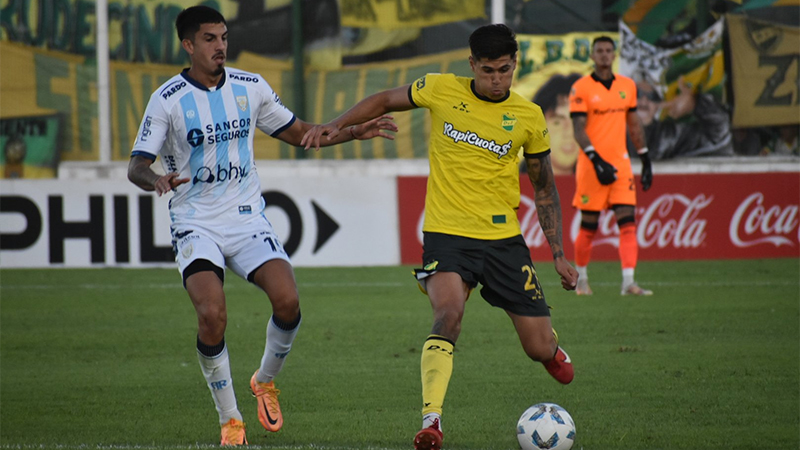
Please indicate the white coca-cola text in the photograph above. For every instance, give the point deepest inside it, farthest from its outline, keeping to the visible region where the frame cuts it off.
(658, 224)
(755, 223)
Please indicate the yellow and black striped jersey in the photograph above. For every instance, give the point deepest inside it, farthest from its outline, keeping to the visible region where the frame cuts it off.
(474, 151)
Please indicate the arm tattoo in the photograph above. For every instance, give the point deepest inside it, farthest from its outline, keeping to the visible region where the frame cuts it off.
(579, 131)
(636, 130)
(140, 173)
(548, 204)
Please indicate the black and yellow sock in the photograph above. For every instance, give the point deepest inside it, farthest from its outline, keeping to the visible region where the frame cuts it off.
(436, 367)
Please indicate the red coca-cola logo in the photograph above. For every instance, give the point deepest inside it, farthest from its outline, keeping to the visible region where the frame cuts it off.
(755, 223)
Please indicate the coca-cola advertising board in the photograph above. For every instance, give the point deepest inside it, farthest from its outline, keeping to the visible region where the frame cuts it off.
(683, 216)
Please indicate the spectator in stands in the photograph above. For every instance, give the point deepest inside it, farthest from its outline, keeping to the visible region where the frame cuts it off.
(784, 143)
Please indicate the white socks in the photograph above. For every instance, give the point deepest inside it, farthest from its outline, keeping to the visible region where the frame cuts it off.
(429, 419)
(217, 371)
(627, 277)
(280, 336)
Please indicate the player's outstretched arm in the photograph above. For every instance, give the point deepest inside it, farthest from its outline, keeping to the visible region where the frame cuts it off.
(140, 174)
(548, 208)
(375, 105)
(377, 127)
(636, 132)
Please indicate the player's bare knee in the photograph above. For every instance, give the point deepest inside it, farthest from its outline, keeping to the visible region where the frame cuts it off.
(447, 322)
(286, 307)
(211, 329)
(541, 350)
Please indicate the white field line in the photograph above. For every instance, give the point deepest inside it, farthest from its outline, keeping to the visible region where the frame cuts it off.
(179, 447)
(186, 447)
(409, 284)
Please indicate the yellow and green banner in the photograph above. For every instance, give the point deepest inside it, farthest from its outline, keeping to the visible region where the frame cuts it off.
(764, 65)
(29, 147)
(542, 56)
(39, 82)
(393, 14)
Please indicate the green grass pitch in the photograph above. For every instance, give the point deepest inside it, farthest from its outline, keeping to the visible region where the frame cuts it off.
(105, 359)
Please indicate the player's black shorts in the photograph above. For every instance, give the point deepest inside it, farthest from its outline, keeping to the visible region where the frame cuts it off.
(502, 266)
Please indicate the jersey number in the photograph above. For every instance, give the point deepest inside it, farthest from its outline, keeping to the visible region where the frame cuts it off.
(532, 283)
(275, 244)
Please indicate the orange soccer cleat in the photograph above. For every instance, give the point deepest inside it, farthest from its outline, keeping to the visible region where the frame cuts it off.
(269, 410)
(233, 433)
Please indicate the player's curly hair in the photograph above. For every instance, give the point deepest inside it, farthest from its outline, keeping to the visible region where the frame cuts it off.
(190, 19)
(493, 41)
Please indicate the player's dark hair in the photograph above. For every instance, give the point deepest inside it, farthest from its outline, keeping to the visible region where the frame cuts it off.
(547, 95)
(604, 39)
(492, 42)
(190, 19)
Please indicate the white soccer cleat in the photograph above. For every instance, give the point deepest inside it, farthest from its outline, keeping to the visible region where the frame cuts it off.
(583, 287)
(634, 289)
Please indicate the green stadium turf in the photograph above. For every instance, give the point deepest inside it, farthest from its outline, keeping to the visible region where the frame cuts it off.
(105, 359)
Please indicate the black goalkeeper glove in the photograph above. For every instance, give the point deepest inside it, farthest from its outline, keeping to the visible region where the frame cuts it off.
(606, 173)
(647, 169)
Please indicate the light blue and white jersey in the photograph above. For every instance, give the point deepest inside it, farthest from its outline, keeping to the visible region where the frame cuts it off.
(206, 135)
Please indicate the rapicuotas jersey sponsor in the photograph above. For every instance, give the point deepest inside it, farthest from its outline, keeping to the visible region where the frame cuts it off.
(474, 139)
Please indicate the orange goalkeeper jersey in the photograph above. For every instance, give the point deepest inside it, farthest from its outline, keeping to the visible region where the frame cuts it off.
(606, 110)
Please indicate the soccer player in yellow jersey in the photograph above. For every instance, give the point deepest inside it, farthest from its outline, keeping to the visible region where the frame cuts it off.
(602, 105)
(471, 231)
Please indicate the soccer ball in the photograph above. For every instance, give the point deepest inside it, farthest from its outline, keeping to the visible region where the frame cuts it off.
(546, 426)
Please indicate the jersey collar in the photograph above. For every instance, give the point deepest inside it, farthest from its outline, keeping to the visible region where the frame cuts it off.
(487, 99)
(606, 83)
(198, 85)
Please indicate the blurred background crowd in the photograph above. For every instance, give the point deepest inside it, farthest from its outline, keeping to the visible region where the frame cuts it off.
(715, 78)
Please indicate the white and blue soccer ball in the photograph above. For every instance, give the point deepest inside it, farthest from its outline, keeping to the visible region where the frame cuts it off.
(546, 426)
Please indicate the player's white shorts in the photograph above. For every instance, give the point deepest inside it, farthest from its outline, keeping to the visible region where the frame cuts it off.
(242, 246)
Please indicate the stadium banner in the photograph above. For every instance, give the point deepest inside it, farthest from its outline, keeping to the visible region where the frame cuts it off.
(680, 94)
(144, 30)
(683, 217)
(765, 66)
(103, 223)
(29, 147)
(37, 82)
(393, 14)
(547, 65)
(700, 63)
(540, 57)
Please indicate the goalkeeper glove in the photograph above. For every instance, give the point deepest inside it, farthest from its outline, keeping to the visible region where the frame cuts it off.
(606, 173)
(647, 169)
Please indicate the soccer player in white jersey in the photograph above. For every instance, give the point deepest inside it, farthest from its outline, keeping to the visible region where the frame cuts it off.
(201, 123)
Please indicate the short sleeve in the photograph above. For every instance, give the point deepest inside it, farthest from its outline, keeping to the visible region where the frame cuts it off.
(634, 96)
(539, 140)
(273, 117)
(422, 90)
(577, 102)
(153, 129)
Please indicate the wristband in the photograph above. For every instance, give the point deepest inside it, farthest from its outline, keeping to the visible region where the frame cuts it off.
(642, 151)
